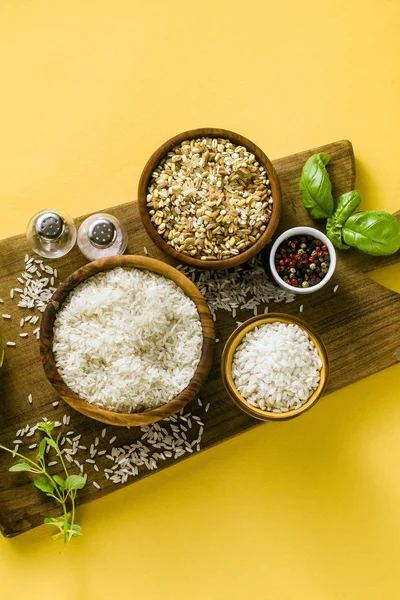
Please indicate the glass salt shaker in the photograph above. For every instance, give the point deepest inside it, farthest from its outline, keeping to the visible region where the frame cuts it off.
(51, 233)
(102, 235)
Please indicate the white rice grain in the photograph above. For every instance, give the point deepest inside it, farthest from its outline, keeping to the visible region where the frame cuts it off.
(127, 340)
(276, 367)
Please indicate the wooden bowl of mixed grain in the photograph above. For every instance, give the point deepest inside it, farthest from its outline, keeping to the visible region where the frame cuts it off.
(210, 198)
(111, 332)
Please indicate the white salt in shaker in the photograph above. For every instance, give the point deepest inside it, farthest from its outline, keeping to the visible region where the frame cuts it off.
(51, 233)
(102, 235)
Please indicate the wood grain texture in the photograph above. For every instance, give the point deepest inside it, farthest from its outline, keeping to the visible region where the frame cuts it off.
(238, 139)
(359, 325)
(118, 418)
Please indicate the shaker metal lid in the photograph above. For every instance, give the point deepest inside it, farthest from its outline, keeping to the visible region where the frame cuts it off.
(49, 226)
(102, 233)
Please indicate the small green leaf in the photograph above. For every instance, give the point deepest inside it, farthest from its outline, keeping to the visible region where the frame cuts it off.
(52, 443)
(42, 448)
(334, 233)
(46, 426)
(53, 521)
(44, 484)
(20, 466)
(75, 482)
(60, 481)
(75, 530)
(56, 522)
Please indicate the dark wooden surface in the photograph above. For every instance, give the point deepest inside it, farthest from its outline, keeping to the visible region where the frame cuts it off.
(359, 326)
(117, 418)
(238, 139)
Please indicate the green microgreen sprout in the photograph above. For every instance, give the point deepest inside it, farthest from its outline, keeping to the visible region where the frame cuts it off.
(62, 489)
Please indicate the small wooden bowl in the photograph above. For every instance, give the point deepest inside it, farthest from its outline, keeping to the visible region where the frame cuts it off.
(156, 158)
(230, 349)
(100, 414)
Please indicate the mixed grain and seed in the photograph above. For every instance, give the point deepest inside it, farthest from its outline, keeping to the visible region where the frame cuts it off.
(210, 198)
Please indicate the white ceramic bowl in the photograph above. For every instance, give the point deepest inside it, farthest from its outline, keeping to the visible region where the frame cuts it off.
(296, 231)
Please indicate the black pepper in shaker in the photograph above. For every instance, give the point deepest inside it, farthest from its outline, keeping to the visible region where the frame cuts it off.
(102, 235)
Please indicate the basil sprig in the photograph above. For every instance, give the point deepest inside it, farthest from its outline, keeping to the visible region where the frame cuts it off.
(374, 232)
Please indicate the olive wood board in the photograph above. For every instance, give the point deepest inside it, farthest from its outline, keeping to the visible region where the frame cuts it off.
(359, 325)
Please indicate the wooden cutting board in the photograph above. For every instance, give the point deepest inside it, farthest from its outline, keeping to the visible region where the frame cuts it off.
(359, 325)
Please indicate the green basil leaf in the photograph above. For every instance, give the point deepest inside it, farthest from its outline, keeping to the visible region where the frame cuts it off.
(346, 204)
(373, 232)
(334, 233)
(44, 484)
(20, 466)
(75, 482)
(316, 188)
(42, 448)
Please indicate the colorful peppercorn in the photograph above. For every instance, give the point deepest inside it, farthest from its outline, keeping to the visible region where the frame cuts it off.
(302, 261)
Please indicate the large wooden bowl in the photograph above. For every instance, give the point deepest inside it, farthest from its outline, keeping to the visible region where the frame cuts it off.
(230, 349)
(156, 158)
(117, 418)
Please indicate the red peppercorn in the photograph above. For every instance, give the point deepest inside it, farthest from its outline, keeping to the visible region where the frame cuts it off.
(305, 256)
(311, 259)
(281, 262)
(318, 248)
(297, 257)
(318, 279)
(294, 281)
(292, 264)
(304, 262)
(319, 254)
(324, 248)
(286, 261)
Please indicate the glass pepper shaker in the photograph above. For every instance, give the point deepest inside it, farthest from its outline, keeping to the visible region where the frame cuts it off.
(51, 233)
(102, 235)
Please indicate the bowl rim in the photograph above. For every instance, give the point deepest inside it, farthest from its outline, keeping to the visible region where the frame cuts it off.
(298, 231)
(226, 366)
(237, 138)
(120, 418)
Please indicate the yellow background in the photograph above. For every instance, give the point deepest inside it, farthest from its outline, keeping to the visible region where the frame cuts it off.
(307, 509)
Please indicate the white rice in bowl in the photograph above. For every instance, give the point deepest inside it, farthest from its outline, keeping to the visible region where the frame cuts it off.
(127, 340)
(276, 367)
